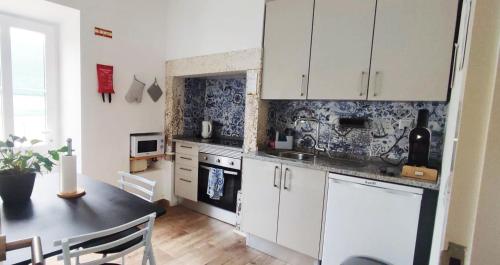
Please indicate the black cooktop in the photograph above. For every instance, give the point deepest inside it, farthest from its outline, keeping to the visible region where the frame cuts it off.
(231, 142)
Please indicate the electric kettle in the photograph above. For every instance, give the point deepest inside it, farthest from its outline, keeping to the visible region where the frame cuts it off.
(206, 129)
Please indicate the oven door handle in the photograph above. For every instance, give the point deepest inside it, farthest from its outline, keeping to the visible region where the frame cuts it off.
(225, 171)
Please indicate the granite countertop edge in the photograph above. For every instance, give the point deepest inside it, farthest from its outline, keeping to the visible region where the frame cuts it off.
(366, 172)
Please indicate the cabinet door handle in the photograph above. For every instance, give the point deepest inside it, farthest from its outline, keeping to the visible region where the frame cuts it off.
(276, 168)
(303, 85)
(375, 88)
(186, 158)
(185, 180)
(284, 182)
(185, 169)
(189, 147)
(362, 86)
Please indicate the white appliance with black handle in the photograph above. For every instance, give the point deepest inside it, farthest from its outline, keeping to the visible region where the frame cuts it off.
(372, 219)
(147, 144)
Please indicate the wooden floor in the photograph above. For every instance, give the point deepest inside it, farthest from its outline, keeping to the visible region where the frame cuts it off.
(184, 237)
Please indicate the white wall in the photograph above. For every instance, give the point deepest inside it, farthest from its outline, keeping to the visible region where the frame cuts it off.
(70, 82)
(201, 27)
(137, 47)
(144, 37)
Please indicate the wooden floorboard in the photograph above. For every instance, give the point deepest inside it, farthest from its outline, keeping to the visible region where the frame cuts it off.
(184, 237)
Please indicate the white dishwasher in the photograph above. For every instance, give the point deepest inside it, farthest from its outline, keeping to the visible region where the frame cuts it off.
(372, 219)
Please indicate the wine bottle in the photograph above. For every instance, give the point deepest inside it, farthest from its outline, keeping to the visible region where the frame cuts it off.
(419, 141)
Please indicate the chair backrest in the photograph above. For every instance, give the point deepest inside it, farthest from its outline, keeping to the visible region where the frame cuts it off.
(67, 244)
(137, 185)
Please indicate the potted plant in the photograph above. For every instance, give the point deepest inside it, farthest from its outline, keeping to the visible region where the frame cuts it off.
(19, 166)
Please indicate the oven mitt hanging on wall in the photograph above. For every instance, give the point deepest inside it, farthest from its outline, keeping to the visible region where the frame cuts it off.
(154, 91)
(134, 93)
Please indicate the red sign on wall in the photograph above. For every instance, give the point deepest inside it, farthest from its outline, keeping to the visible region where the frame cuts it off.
(103, 32)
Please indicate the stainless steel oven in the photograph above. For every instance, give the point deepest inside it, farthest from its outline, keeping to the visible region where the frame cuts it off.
(232, 179)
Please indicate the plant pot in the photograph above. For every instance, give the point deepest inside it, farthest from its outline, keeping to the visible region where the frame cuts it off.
(16, 188)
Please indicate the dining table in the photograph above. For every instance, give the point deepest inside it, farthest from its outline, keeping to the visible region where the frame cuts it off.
(53, 218)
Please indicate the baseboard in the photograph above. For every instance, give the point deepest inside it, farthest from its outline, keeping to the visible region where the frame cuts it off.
(289, 256)
(207, 209)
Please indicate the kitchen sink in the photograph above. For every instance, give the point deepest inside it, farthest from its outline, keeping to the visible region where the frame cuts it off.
(292, 155)
(297, 155)
(302, 156)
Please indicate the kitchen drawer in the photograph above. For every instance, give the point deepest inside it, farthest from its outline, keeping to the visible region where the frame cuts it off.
(186, 171)
(186, 148)
(186, 187)
(186, 160)
(186, 181)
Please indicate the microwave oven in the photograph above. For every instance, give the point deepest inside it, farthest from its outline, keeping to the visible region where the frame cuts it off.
(142, 145)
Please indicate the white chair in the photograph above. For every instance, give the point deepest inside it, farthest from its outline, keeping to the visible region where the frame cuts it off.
(137, 185)
(71, 246)
(142, 188)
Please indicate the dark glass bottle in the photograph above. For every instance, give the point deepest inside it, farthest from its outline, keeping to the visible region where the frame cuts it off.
(420, 141)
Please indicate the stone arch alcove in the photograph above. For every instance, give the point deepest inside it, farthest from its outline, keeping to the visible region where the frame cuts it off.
(248, 62)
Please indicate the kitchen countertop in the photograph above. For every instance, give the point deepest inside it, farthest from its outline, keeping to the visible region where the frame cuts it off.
(369, 171)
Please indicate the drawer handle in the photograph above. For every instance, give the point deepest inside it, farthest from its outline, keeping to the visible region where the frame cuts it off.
(189, 147)
(186, 158)
(186, 180)
(185, 169)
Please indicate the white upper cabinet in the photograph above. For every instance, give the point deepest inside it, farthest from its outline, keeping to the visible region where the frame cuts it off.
(412, 50)
(397, 50)
(341, 49)
(287, 43)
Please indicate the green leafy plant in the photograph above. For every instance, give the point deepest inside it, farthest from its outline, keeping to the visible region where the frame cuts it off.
(21, 160)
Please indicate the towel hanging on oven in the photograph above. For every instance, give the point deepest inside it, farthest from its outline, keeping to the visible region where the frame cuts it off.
(215, 187)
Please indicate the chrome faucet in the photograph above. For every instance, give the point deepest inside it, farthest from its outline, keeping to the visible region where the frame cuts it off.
(317, 147)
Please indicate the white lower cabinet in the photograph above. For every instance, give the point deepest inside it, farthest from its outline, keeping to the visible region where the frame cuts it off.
(186, 171)
(283, 204)
(301, 209)
(261, 197)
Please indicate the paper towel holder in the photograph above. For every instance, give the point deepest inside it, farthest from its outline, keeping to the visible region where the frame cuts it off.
(79, 192)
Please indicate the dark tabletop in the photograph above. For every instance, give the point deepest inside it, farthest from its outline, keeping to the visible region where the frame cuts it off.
(52, 218)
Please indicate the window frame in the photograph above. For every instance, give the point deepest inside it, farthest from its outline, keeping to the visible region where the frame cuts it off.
(51, 81)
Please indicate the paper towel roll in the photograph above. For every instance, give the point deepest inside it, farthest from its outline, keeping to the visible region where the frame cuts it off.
(68, 174)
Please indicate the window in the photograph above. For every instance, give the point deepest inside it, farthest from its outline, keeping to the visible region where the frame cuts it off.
(28, 87)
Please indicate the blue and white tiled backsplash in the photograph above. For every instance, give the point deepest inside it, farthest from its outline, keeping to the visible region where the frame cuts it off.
(221, 100)
(382, 133)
